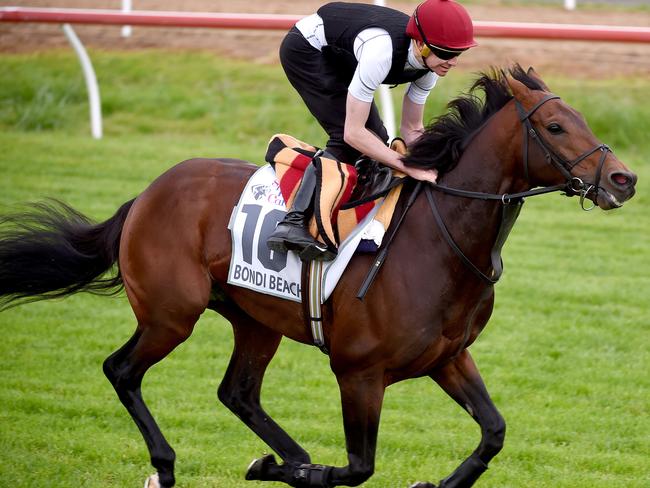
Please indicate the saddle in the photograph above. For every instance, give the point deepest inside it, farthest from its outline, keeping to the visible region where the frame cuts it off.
(374, 179)
(345, 193)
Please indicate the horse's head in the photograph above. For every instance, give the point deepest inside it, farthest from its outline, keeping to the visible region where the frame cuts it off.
(560, 147)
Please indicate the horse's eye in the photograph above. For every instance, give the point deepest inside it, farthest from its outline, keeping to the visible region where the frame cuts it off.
(554, 128)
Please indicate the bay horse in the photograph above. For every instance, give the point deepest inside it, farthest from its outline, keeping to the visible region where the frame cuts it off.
(428, 304)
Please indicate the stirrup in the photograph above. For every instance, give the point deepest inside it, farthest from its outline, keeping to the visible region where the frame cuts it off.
(307, 252)
(317, 252)
(277, 244)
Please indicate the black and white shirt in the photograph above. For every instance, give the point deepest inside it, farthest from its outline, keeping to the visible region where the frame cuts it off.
(373, 49)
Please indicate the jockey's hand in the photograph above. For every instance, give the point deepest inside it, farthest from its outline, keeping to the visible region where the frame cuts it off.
(430, 175)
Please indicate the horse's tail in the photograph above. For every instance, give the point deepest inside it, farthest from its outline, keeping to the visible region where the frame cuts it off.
(52, 251)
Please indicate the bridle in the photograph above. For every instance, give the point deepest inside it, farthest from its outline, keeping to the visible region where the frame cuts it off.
(511, 202)
(573, 185)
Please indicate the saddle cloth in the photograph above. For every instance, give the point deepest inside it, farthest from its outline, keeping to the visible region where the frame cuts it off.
(262, 205)
(253, 265)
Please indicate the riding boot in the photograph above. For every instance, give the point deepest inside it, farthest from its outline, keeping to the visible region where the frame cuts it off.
(292, 234)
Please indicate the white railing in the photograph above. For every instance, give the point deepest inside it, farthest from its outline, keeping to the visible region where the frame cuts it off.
(129, 18)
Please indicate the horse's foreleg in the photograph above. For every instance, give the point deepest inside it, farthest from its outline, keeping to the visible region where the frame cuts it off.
(462, 381)
(125, 369)
(255, 346)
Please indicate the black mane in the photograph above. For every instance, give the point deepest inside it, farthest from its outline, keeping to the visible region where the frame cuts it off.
(442, 143)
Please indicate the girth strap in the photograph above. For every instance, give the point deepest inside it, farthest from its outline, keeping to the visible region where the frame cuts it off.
(312, 300)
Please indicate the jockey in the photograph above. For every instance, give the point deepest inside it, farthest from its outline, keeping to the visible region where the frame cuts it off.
(337, 58)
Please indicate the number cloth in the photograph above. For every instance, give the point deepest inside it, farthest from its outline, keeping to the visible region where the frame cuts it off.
(253, 265)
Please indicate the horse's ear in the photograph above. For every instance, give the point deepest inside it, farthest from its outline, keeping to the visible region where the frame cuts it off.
(519, 90)
(533, 74)
(522, 93)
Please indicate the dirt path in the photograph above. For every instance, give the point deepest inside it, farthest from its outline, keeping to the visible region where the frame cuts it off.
(580, 59)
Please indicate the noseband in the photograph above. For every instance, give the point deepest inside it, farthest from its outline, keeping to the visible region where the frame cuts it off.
(574, 185)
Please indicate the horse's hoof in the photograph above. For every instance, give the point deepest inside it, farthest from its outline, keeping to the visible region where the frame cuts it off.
(423, 484)
(152, 481)
(258, 467)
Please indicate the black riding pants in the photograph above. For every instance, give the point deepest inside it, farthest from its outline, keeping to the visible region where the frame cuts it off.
(324, 90)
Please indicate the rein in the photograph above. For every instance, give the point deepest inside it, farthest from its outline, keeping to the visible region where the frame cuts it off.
(509, 213)
(512, 202)
(503, 197)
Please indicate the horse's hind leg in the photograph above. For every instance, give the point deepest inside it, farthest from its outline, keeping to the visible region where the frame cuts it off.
(461, 380)
(255, 346)
(125, 369)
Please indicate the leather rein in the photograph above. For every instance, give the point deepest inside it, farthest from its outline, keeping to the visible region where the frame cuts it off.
(512, 202)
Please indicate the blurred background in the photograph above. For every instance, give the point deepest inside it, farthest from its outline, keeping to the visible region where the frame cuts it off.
(576, 58)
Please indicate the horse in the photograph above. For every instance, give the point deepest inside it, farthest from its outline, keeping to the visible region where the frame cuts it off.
(426, 306)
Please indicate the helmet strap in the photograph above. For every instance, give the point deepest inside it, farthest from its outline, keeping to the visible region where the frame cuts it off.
(417, 24)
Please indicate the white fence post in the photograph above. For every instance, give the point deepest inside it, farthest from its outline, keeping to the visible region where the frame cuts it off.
(126, 8)
(386, 101)
(91, 82)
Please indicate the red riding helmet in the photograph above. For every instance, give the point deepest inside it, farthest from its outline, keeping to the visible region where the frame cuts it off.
(442, 23)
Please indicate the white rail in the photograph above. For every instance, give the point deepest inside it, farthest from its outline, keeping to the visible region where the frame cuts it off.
(519, 30)
(91, 81)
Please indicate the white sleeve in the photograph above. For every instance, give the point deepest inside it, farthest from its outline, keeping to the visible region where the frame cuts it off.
(312, 29)
(373, 49)
(418, 90)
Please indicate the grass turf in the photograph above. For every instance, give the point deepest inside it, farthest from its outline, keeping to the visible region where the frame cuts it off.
(565, 355)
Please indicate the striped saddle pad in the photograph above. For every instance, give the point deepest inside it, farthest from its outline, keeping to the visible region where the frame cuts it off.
(336, 181)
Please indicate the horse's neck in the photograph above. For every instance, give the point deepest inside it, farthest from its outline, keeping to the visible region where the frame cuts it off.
(490, 164)
(492, 161)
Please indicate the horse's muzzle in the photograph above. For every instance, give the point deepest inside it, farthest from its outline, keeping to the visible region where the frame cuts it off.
(617, 188)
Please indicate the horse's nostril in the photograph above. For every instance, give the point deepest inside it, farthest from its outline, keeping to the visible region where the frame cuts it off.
(623, 179)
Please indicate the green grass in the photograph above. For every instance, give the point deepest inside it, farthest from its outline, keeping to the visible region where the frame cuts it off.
(565, 355)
